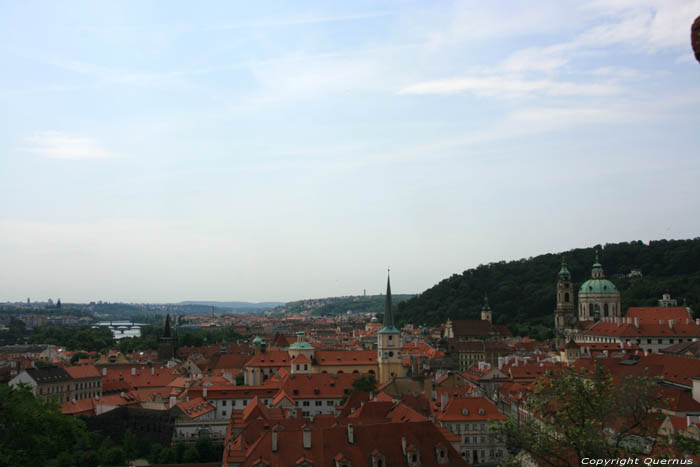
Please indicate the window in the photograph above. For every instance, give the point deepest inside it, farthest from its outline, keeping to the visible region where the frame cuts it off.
(319, 403)
(660, 341)
(391, 337)
(329, 403)
(305, 403)
(223, 413)
(223, 403)
(306, 367)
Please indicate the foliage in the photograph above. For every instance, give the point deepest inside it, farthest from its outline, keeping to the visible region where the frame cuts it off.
(373, 304)
(33, 432)
(365, 383)
(185, 338)
(583, 413)
(82, 338)
(522, 293)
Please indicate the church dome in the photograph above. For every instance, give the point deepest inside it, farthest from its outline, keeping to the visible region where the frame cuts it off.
(598, 286)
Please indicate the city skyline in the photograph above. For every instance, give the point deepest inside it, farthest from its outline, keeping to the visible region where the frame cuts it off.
(277, 152)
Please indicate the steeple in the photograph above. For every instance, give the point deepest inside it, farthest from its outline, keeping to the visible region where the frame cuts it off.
(166, 331)
(486, 314)
(564, 274)
(486, 303)
(388, 316)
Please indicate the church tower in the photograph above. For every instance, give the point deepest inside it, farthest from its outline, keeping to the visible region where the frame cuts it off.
(388, 343)
(565, 313)
(486, 314)
(166, 344)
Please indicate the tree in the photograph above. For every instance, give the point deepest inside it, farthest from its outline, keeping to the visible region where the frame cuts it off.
(585, 413)
(33, 432)
(365, 383)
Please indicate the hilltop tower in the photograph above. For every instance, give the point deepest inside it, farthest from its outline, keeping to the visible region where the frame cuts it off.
(388, 343)
(166, 344)
(486, 314)
(565, 313)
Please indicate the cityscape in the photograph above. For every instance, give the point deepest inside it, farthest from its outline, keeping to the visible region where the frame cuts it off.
(352, 234)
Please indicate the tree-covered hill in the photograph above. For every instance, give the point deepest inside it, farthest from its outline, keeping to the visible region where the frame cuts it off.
(339, 305)
(522, 293)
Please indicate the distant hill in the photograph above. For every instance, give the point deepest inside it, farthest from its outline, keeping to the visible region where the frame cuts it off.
(338, 305)
(236, 305)
(522, 293)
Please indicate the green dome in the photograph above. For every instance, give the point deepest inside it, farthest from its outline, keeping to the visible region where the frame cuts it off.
(597, 286)
(301, 346)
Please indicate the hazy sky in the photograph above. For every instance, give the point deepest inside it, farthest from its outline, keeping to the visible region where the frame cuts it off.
(166, 151)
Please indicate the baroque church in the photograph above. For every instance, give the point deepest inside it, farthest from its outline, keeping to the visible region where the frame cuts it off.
(597, 298)
(302, 358)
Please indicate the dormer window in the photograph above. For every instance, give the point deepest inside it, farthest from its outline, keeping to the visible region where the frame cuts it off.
(465, 412)
(482, 412)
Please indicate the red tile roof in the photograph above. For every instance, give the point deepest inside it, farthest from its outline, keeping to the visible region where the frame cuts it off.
(195, 408)
(470, 409)
(652, 314)
(82, 371)
(346, 357)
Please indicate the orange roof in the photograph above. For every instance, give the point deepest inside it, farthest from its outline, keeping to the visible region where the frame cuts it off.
(82, 371)
(652, 314)
(195, 408)
(271, 358)
(85, 407)
(301, 358)
(346, 357)
(470, 409)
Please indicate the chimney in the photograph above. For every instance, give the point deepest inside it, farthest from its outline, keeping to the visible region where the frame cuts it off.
(696, 389)
(153, 371)
(173, 401)
(351, 434)
(636, 322)
(307, 438)
(444, 399)
(274, 439)
(671, 322)
(403, 445)
(697, 321)
(104, 371)
(133, 371)
(204, 392)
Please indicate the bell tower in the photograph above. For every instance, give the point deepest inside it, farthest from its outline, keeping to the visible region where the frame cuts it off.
(388, 343)
(565, 313)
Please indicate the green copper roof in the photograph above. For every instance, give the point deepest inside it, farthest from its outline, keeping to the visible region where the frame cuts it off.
(303, 345)
(598, 286)
(386, 330)
(564, 273)
(258, 340)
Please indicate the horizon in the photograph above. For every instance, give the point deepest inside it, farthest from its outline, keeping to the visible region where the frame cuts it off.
(155, 153)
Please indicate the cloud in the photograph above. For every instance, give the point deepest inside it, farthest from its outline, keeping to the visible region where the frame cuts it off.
(59, 145)
(510, 87)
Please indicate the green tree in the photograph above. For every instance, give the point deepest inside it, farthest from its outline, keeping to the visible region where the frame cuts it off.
(33, 432)
(584, 413)
(365, 383)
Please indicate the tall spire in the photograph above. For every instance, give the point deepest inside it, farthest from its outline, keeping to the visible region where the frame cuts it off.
(166, 331)
(486, 302)
(388, 316)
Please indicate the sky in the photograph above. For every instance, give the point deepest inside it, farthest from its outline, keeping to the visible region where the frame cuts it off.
(156, 151)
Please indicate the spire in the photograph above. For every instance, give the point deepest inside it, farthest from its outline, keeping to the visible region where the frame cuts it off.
(388, 316)
(486, 302)
(564, 273)
(166, 331)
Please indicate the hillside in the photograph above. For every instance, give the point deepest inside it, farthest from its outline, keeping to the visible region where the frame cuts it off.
(338, 305)
(522, 293)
